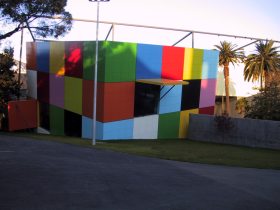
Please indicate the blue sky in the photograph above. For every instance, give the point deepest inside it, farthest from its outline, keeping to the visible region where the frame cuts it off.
(254, 18)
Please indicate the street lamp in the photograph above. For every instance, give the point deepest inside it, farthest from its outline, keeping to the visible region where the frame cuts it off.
(95, 74)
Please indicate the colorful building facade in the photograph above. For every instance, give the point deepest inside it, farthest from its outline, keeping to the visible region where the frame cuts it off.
(61, 74)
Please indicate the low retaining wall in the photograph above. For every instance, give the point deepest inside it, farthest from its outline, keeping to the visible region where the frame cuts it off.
(246, 132)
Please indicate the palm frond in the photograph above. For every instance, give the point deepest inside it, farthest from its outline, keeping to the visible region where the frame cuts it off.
(265, 60)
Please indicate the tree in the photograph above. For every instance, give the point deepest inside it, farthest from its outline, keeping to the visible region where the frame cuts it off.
(266, 104)
(229, 53)
(259, 65)
(9, 86)
(34, 15)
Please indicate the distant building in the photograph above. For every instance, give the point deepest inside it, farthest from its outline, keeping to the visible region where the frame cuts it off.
(238, 88)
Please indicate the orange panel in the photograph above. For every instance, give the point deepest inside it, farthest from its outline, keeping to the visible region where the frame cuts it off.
(100, 101)
(22, 114)
(115, 101)
(31, 56)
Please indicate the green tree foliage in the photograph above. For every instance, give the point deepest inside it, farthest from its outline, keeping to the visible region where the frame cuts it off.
(16, 15)
(229, 54)
(266, 105)
(259, 65)
(9, 86)
(240, 105)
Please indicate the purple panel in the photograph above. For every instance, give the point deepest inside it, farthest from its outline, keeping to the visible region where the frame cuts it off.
(57, 90)
(207, 93)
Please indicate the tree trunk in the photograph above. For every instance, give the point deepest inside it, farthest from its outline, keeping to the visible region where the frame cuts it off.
(267, 79)
(226, 75)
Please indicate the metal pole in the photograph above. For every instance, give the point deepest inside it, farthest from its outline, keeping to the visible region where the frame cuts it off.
(108, 34)
(192, 39)
(182, 39)
(95, 81)
(163, 28)
(113, 32)
(20, 58)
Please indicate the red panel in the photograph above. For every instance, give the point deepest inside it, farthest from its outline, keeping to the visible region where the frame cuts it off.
(207, 110)
(22, 114)
(115, 101)
(100, 101)
(173, 62)
(74, 59)
(88, 98)
(31, 56)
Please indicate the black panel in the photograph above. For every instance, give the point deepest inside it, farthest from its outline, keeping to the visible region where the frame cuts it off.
(72, 124)
(44, 113)
(43, 83)
(146, 99)
(191, 95)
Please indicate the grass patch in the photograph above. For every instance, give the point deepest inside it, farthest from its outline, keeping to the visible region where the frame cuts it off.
(181, 150)
(61, 139)
(199, 152)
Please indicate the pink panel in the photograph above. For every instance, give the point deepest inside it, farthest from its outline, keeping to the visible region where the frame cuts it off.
(207, 93)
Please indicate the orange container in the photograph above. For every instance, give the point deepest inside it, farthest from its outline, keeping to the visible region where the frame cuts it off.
(22, 114)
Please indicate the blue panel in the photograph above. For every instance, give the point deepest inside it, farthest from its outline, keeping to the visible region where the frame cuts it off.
(43, 56)
(115, 130)
(148, 61)
(86, 128)
(171, 102)
(99, 130)
(210, 64)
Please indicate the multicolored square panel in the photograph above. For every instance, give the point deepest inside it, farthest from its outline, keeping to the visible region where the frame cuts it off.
(61, 77)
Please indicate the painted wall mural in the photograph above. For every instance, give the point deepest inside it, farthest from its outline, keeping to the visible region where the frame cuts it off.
(60, 77)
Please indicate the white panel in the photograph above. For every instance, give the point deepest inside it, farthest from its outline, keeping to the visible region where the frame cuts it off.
(32, 83)
(146, 127)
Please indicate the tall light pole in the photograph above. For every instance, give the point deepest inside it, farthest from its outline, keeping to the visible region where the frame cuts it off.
(95, 74)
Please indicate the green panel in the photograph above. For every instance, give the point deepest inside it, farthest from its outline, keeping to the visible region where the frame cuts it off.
(120, 62)
(197, 64)
(101, 60)
(73, 94)
(56, 120)
(57, 58)
(169, 125)
(88, 60)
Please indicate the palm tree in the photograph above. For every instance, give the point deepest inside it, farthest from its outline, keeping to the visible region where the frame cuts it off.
(260, 65)
(229, 53)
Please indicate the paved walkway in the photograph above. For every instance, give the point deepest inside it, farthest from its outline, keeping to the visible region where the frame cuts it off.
(45, 175)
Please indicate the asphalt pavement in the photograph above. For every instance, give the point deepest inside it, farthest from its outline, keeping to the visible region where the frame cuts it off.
(39, 175)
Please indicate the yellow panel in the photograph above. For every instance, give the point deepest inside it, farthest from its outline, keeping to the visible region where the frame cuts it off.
(57, 58)
(162, 82)
(184, 121)
(188, 64)
(73, 95)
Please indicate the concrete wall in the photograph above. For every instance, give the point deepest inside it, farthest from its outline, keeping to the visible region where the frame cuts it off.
(247, 132)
